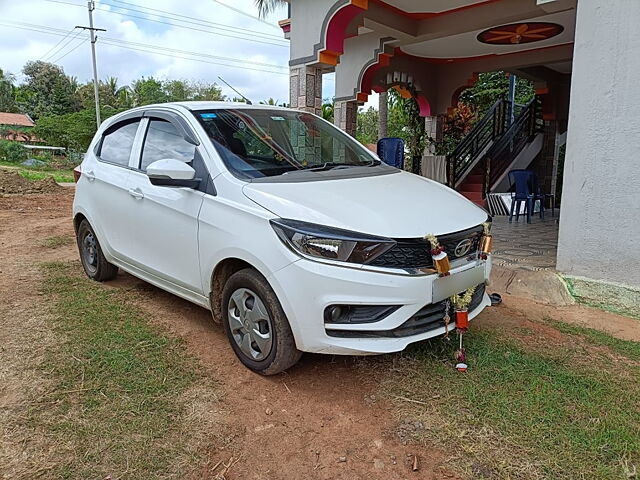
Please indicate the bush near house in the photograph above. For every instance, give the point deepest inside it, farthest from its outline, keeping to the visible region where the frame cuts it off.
(12, 152)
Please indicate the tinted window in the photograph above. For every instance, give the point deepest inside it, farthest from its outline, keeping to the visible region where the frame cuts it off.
(117, 143)
(164, 141)
(258, 143)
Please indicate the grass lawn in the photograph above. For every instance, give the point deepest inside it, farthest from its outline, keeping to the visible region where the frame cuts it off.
(39, 173)
(543, 403)
(121, 402)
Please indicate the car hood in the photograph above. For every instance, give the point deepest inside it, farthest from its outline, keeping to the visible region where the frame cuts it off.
(399, 205)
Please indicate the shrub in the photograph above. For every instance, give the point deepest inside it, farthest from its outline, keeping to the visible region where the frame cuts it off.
(12, 152)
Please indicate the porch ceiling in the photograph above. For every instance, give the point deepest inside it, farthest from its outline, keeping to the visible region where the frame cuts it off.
(466, 45)
(431, 6)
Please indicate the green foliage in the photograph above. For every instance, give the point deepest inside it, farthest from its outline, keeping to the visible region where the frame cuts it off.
(526, 397)
(405, 122)
(119, 386)
(7, 93)
(491, 87)
(327, 111)
(149, 90)
(267, 6)
(73, 131)
(47, 90)
(12, 152)
(367, 126)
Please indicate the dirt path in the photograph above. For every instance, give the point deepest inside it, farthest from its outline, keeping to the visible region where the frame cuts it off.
(320, 420)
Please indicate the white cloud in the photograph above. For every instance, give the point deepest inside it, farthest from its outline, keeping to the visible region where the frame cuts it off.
(17, 46)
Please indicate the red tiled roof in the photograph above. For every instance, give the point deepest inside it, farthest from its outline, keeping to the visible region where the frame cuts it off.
(16, 119)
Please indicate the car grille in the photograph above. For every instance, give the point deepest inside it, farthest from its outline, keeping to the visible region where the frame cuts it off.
(428, 318)
(416, 252)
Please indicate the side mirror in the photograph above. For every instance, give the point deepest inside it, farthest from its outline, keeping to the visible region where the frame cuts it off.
(172, 173)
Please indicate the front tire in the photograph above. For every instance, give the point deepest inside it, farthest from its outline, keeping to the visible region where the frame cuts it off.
(93, 260)
(256, 325)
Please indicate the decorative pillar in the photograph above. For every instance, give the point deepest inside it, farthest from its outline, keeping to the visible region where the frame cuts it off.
(305, 88)
(345, 116)
(434, 166)
(433, 129)
(383, 115)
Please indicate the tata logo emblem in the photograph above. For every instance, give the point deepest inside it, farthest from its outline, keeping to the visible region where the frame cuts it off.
(463, 247)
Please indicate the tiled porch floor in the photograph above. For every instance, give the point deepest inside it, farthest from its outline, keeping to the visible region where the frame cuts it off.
(529, 246)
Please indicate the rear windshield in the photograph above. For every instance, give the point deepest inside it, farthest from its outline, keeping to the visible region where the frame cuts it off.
(258, 143)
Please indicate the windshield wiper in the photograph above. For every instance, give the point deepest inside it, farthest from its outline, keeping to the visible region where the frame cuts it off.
(330, 166)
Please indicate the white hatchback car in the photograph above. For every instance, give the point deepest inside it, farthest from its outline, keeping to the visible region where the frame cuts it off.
(295, 236)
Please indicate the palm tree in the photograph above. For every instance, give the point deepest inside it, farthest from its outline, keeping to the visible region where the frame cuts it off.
(267, 6)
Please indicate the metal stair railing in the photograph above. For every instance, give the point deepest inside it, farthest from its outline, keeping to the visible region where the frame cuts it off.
(490, 127)
(503, 152)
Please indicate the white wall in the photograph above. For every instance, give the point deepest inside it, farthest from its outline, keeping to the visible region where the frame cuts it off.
(600, 215)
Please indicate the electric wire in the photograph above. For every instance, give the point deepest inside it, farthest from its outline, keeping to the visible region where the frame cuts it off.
(189, 19)
(152, 49)
(284, 44)
(54, 47)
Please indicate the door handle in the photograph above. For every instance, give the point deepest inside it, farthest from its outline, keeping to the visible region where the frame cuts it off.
(90, 175)
(136, 193)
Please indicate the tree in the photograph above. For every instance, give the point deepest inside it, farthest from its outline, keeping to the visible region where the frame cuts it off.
(73, 131)
(267, 6)
(492, 86)
(147, 91)
(47, 90)
(367, 126)
(327, 111)
(7, 93)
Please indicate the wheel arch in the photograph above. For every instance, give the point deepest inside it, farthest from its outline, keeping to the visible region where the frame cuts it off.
(221, 273)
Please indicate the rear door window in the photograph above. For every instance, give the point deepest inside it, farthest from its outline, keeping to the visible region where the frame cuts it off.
(164, 141)
(118, 142)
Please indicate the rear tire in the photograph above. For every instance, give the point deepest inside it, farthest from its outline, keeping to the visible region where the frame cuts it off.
(256, 325)
(93, 261)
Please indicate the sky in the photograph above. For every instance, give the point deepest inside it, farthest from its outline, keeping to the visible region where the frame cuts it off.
(255, 62)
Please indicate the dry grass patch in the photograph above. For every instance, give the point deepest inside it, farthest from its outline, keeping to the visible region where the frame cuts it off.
(56, 241)
(123, 398)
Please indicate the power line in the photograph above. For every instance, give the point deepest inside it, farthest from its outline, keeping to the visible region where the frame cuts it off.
(156, 50)
(82, 40)
(53, 48)
(210, 32)
(241, 12)
(190, 19)
(47, 29)
(62, 47)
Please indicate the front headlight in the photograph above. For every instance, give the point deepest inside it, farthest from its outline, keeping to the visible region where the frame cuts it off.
(317, 241)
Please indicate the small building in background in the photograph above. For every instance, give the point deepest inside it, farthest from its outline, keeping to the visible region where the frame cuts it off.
(14, 126)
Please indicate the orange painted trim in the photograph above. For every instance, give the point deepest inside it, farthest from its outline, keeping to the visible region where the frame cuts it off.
(548, 116)
(363, 4)
(542, 91)
(362, 97)
(328, 57)
(424, 15)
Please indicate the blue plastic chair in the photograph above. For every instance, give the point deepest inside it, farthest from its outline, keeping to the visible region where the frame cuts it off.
(521, 191)
(538, 194)
(391, 151)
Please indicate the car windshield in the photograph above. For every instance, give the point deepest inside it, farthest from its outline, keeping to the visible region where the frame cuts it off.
(257, 143)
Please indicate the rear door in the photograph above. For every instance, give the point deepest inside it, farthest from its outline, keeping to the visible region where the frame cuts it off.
(165, 219)
(108, 178)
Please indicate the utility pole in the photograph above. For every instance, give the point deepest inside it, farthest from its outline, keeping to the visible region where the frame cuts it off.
(91, 7)
(512, 97)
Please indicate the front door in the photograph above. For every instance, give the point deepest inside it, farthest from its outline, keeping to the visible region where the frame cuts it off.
(164, 220)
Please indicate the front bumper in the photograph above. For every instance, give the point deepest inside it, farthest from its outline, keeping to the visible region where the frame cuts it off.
(305, 288)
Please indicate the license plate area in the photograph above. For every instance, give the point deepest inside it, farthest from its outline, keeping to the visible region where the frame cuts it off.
(444, 287)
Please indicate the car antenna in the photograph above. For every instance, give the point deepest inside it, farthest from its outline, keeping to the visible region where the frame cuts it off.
(228, 85)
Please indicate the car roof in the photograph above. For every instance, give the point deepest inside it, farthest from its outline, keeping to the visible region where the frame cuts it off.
(208, 105)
